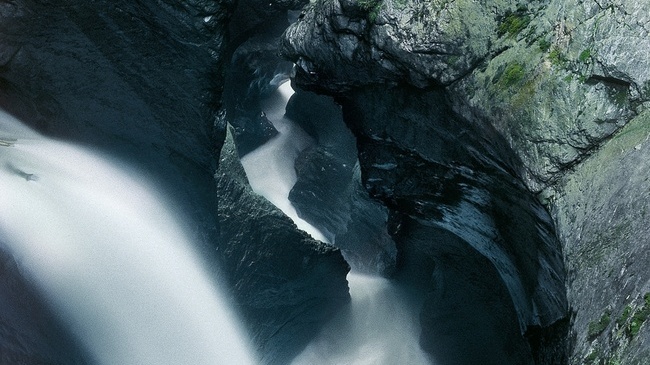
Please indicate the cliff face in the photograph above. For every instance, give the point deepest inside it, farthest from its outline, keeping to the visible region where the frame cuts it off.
(563, 84)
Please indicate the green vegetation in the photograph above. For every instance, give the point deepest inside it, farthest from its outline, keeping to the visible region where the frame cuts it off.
(585, 55)
(513, 73)
(372, 7)
(625, 315)
(596, 328)
(592, 357)
(639, 317)
(544, 45)
(632, 319)
(556, 57)
(513, 24)
(452, 60)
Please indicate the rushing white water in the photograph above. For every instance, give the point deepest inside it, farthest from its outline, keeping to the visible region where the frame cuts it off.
(380, 327)
(270, 168)
(110, 257)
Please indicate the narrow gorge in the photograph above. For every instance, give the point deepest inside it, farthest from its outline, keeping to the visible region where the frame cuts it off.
(325, 182)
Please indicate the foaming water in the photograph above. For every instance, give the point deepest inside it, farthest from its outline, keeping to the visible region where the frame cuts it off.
(270, 168)
(110, 257)
(380, 328)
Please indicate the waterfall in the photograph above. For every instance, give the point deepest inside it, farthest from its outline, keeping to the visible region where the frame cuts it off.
(270, 168)
(380, 326)
(110, 256)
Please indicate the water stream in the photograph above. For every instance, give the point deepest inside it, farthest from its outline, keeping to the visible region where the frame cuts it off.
(270, 168)
(110, 256)
(380, 327)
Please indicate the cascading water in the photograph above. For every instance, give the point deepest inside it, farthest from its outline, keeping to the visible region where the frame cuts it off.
(270, 168)
(110, 256)
(381, 326)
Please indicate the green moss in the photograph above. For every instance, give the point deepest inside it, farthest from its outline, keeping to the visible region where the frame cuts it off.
(625, 315)
(592, 357)
(596, 328)
(513, 73)
(512, 24)
(372, 7)
(452, 60)
(544, 45)
(568, 78)
(556, 57)
(585, 55)
(639, 317)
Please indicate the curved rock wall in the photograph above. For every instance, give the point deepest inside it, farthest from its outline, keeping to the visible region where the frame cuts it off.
(565, 83)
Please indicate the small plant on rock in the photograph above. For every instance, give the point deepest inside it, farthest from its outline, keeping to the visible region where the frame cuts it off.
(585, 55)
(596, 328)
(513, 23)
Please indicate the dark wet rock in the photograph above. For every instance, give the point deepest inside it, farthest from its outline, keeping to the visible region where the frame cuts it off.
(329, 193)
(286, 284)
(452, 186)
(29, 332)
(254, 72)
(430, 165)
(464, 317)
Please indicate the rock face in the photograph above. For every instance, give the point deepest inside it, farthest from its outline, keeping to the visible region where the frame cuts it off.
(460, 219)
(375, 41)
(286, 284)
(255, 69)
(329, 193)
(565, 84)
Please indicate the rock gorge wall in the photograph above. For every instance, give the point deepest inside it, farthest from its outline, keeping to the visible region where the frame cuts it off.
(565, 84)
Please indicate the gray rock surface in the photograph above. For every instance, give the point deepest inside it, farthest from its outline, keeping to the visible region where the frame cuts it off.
(375, 41)
(601, 210)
